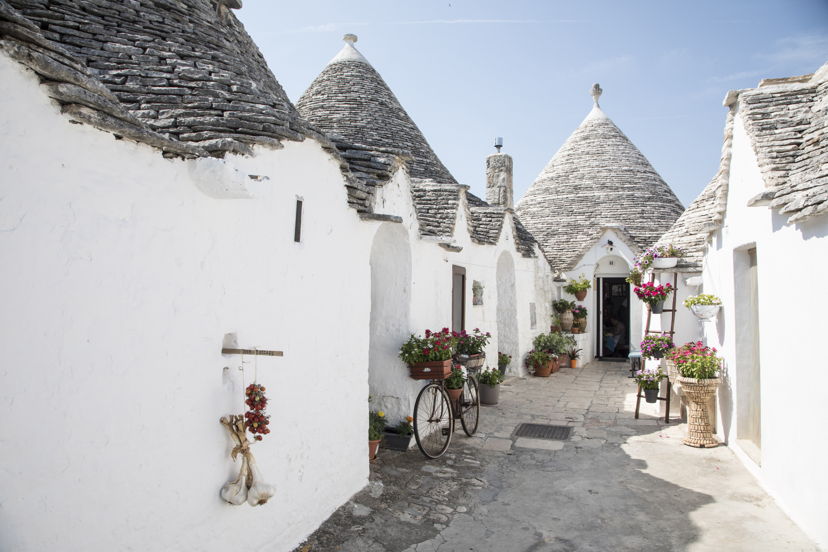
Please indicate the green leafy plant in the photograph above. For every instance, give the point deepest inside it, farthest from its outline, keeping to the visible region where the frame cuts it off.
(434, 346)
(649, 378)
(562, 305)
(537, 358)
(696, 360)
(471, 344)
(491, 377)
(579, 311)
(554, 343)
(455, 380)
(404, 427)
(635, 277)
(580, 284)
(574, 353)
(376, 424)
(703, 299)
(503, 359)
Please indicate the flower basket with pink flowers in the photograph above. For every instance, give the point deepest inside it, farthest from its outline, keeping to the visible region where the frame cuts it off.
(654, 295)
(429, 357)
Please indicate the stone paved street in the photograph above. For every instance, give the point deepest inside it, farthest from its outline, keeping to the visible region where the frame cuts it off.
(617, 484)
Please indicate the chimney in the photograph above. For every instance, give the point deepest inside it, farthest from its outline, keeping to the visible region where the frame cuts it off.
(499, 177)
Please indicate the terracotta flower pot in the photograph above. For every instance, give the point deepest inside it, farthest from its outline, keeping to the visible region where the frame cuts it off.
(698, 393)
(573, 363)
(543, 370)
(454, 394)
(372, 448)
(555, 364)
(580, 295)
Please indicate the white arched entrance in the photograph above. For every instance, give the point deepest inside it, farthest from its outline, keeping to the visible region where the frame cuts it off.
(507, 326)
(389, 324)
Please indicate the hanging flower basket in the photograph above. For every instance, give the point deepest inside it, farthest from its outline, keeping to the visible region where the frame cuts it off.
(664, 262)
(657, 308)
(704, 306)
(705, 312)
(651, 395)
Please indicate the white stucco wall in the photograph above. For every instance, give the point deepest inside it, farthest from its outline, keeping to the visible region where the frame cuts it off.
(792, 263)
(120, 279)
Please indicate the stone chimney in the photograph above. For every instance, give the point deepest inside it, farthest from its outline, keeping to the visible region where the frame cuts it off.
(499, 178)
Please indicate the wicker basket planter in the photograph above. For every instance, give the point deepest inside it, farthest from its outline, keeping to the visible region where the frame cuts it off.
(434, 370)
(698, 393)
(473, 363)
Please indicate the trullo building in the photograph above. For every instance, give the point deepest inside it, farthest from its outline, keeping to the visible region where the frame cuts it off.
(593, 208)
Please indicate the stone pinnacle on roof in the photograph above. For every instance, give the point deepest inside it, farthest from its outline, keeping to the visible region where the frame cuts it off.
(596, 93)
(349, 101)
(598, 178)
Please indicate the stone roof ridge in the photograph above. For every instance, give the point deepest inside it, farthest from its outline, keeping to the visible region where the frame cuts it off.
(186, 70)
(349, 53)
(787, 123)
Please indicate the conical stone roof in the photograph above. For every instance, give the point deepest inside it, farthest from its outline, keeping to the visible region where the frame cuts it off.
(350, 102)
(597, 179)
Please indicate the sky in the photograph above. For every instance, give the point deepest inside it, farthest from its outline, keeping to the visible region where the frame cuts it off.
(467, 71)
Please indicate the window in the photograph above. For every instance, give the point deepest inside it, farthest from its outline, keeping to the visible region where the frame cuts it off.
(297, 228)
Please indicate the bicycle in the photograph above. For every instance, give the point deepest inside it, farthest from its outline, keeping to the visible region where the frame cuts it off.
(435, 414)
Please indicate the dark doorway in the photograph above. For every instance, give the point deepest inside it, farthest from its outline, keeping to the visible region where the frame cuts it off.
(458, 298)
(614, 318)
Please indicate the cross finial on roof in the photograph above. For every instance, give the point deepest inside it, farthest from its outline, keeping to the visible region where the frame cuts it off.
(350, 38)
(596, 93)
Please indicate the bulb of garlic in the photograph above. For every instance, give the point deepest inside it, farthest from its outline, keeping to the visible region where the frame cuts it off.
(260, 492)
(235, 492)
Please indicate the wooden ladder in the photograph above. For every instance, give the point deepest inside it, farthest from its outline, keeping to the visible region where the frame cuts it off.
(672, 333)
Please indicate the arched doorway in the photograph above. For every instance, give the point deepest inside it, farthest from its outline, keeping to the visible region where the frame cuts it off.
(507, 326)
(389, 321)
(613, 309)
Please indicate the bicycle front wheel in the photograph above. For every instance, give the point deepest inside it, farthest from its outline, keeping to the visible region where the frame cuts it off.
(433, 421)
(470, 406)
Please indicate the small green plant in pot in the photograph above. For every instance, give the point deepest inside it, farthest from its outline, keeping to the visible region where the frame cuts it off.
(564, 310)
(376, 425)
(656, 345)
(490, 381)
(703, 306)
(539, 361)
(574, 354)
(578, 287)
(503, 361)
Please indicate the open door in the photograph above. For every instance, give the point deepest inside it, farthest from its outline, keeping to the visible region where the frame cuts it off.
(613, 335)
(458, 298)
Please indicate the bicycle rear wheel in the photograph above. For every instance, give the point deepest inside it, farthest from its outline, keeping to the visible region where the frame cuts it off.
(433, 421)
(470, 406)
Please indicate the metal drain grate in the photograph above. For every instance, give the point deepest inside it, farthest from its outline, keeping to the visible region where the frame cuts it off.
(543, 431)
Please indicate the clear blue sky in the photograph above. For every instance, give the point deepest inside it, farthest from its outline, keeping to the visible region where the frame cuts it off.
(469, 70)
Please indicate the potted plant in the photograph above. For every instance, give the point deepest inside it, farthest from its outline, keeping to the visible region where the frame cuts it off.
(654, 295)
(469, 348)
(635, 277)
(429, 357)
(660, 257)
(503, 361)
(578, 287)
(698, 369)
(556, 323)
(564, 310)
(574, 354)
(399, 437)
(376, 425)
(704, 306)
(490, 381)
(454, 384)
(579, 313)
(656, 345)
(539, 361)
(554, 344)
(649, 379)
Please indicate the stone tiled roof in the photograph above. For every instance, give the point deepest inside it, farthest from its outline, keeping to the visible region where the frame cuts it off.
(705, 213)
(436, 207)
(182, 75)
(365, 168)
(486, 224)
(350, 102)
(787, 121)
(598, 178)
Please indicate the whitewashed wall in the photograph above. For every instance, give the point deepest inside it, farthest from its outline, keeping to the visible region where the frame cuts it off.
(120, 278)
(792, 263)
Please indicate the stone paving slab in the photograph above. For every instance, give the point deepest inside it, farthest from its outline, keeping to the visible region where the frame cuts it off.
(618, 484)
